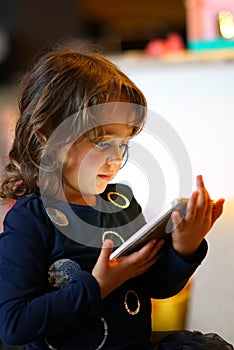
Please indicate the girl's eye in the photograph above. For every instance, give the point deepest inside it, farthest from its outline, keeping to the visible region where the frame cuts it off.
(124, 147)
(102, 144)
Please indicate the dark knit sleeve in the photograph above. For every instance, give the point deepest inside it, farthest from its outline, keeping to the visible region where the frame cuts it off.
(171, 273)
(27, 309)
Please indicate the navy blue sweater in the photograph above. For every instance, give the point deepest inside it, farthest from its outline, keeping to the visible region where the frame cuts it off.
(35, 312)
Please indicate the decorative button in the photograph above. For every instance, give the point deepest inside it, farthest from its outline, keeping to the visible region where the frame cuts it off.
(58, 217)
(120, 198)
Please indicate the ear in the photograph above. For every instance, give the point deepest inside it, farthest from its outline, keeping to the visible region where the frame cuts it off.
(40, 137)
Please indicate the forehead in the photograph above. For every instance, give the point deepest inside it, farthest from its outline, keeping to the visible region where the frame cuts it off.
(114, 112)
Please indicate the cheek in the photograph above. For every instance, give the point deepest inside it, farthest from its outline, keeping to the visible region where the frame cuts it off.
(91, 163)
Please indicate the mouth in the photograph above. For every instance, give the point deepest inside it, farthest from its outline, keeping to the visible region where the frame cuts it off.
(106, 177)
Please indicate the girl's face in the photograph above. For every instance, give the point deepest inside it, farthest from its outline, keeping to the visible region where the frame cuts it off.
(90, 166)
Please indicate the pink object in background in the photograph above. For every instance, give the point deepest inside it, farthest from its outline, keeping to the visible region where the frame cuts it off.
(158, 47)
(203, 17)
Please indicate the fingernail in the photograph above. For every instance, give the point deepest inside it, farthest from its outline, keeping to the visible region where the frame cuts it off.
(108, 243)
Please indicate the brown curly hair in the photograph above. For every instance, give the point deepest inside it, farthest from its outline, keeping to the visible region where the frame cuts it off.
(61, 84)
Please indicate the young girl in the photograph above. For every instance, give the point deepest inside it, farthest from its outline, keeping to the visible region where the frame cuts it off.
(59, 289)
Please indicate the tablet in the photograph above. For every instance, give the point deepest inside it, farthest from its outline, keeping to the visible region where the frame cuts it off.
(158, 227)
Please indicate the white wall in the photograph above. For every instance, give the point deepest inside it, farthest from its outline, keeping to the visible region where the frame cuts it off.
(197, 99)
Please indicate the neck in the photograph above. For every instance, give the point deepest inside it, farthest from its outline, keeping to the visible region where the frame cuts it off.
(86, 200)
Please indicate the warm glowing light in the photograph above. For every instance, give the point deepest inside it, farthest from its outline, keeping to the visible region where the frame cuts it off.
(226, 24)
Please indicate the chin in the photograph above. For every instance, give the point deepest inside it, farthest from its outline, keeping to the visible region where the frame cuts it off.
(101, 188)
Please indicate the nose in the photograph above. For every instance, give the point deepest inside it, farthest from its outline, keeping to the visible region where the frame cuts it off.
(114, 157)
(114, 161)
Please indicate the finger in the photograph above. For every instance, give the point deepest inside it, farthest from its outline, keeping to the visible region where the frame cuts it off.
(200, 182)
(147, 251)
(210, 208)
(106, 250)
(141, 255)
(177, 221)
(217, 209)
(147, 264)
(156, 246)
(203, 198)
(191, 209)
(155, 249)
(155, 259)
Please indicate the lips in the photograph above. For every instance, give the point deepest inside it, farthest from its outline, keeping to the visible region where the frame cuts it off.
(106, 177)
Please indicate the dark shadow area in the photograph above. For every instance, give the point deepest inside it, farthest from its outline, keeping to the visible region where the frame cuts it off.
(30, 28)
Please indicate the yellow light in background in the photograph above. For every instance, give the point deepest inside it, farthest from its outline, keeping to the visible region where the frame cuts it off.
(226, 24)
(171, 313)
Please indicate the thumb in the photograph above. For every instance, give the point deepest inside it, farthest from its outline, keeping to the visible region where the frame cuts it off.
(217, 209)
(107, 248)
(176, 219)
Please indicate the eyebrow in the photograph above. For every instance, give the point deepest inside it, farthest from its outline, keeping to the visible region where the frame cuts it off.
(111, 133)
(115, 136)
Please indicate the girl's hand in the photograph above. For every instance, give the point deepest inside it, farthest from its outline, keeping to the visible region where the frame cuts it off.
(110, 274)
(200, 216)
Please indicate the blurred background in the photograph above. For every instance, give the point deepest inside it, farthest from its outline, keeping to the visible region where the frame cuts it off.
(27, 29)
(181, 54)
(30, 28)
